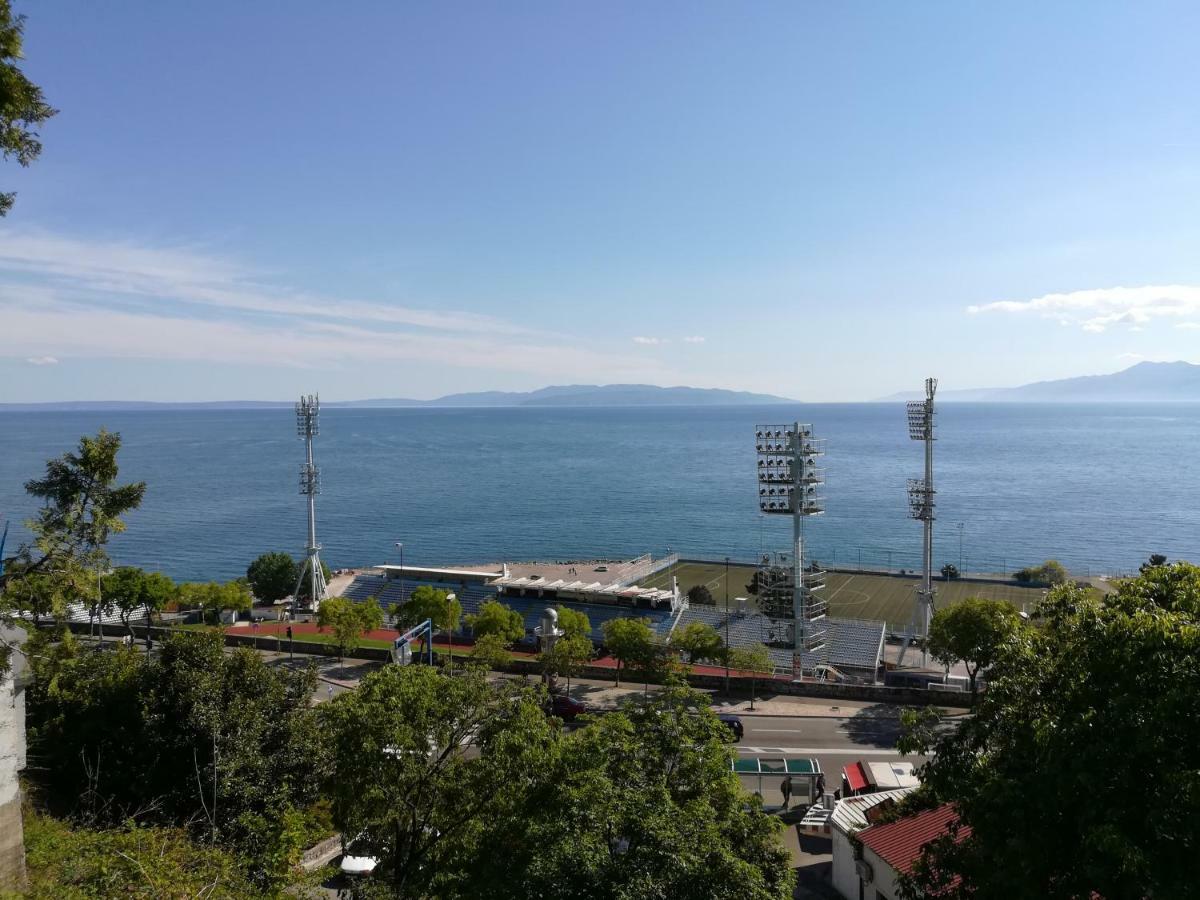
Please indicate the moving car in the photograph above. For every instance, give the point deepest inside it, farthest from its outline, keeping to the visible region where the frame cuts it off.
(733, 723)
(566, 707)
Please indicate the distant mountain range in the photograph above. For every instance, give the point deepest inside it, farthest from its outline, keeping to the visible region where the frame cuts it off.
(563, 395)
(1146, 382)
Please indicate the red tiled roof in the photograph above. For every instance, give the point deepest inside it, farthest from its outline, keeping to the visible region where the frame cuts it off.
(899, 843)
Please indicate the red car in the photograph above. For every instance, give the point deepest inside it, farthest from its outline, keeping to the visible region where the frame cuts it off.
(566, 707)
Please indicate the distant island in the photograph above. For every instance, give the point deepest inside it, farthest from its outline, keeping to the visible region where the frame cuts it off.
(574, 395)
(1146, 382)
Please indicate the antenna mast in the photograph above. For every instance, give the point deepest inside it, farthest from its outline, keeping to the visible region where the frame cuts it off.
(921, 507)
(308, 411)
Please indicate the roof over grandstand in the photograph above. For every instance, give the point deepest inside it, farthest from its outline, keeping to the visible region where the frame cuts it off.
(434, 572)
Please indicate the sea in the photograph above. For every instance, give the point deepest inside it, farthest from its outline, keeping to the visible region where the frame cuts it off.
(1099, 487)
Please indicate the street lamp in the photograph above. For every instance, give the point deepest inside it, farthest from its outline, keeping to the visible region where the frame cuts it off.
(961, 525)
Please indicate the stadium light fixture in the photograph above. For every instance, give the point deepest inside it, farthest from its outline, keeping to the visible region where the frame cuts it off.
(921, 504)
(789, 484)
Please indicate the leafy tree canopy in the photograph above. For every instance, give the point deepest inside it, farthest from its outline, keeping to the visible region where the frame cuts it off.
(973, 632)
(430, 603)
(349, 621)
(272, 576)
(214, 597)
(491, 651)
(630, 642)
(133, 591)
(1088, 728)
(574, 622)
(195, 736)
(568, 655)
(699, 593)
(494, 618)
(700, 641)
(81, 508)
(1050, 572)
(22, 107)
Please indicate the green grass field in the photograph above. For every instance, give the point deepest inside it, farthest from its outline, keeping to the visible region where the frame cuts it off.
(850, 595)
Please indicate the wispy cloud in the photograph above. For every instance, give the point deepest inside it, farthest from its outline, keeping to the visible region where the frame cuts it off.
(62, 296)
(1188, 326)
(42, 361)
(649, 341)
(694, 339)
(1098, 309)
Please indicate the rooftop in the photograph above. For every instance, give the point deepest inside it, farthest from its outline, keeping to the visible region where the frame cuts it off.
(850, 814)
(899, 843)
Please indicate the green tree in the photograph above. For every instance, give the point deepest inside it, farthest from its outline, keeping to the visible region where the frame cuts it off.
(440, 607)
(494, 618)
(132, 590)
(567, 657)
(1104, 685)
(700, 641)
(401, 782)
(973, 632)
(81, 506)
(22, 107)
(1155, 560)
(574, 622)
(756, 660)
(491, 652)
(950, 572)
(348, 621)
(1050, 572)
(215, 741)
(641, 803)
(213, 598)
(700, 594)
(272, 576)
(630, 642)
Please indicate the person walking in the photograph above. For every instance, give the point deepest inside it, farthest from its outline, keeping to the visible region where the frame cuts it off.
(786, 789)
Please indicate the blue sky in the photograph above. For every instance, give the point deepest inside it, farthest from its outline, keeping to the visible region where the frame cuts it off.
(825, 201)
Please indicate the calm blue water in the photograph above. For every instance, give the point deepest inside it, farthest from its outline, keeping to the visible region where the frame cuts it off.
(1099, 487)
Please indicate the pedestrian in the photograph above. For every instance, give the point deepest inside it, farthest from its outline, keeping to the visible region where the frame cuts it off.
(786, 789)
(329, 689)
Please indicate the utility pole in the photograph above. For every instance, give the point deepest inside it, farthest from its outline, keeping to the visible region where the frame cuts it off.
(921, 506)
(307, 427)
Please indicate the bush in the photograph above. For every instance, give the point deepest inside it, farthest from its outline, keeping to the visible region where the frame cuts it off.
(700, 594)
(950, 572)
(1050, 572)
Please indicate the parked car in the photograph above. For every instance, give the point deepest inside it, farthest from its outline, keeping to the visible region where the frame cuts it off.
(566, 707)
(354, 864)
(734, 724)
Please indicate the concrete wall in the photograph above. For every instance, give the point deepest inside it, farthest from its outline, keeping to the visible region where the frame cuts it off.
(12, 761)
(845, 878)
(884, 884)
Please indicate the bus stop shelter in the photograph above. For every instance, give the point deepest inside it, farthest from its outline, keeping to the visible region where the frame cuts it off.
(808, 781)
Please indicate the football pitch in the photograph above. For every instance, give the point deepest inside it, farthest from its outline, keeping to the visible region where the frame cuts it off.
(851, 595)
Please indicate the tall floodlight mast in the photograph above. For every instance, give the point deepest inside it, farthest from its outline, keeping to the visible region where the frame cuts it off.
(307, 427)
(789, 483)
(921, 506)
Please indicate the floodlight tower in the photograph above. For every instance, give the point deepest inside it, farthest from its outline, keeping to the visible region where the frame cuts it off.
(921, 505)
(307, 427)
(789, 483)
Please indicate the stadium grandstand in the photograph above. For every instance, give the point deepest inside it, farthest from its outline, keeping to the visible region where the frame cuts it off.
(604, 590)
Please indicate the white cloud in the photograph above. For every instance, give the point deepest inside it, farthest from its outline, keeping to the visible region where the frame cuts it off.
(42, 361)
(1188, 326)
(62, 296)
(1098, 309)
(694, 339)
(649, 341)
(1130, 357)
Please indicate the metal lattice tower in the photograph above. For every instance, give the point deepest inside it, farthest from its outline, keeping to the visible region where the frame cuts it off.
(921, 506)
(308, 426)
(789, 483)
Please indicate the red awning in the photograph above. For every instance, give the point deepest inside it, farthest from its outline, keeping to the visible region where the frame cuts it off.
(856, 777)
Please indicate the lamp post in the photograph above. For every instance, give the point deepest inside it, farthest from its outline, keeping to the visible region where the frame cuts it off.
(961, 525)
(727, 626)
